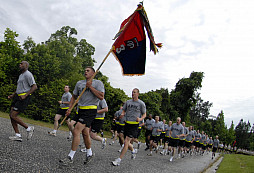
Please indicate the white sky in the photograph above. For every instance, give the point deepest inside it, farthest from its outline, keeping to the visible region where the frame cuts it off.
(211, 36)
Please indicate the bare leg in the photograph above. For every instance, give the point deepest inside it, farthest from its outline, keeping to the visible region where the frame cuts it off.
(126, 146)
(57, 118)
(76, 135)
(15, 120)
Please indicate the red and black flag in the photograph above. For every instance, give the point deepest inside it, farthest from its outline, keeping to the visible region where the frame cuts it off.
(130, 45)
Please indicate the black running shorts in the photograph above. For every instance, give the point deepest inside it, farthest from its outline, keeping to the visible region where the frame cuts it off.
(131, 130)
(20, 105)
(86, 116)
(96, 125)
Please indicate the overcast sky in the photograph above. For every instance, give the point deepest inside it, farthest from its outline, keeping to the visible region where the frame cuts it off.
(211, 36)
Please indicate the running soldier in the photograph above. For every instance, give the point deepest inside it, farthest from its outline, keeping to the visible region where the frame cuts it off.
(189, 140)
(87, 104)
(167, 147)
(120, 127)
(196, 141)
(97, 123)
(182, 141)
(216, 143)
(132, 110)
(148, 126)
(64, 105)
(25, 87)
(162, 136)
(157, 128)
(177, 131)
(210, 143)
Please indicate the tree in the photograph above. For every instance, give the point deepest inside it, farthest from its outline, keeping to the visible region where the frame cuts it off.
(230, 138)
(199, 112)
(242, 132)
(182, 97)
(220, 127)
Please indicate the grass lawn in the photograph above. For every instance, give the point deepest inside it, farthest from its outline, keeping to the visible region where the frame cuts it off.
(236, 163)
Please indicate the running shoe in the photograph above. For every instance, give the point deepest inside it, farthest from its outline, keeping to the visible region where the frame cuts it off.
(66, 161)
(116, 162)
(171, 159)
(103, 143)
(52, 133)
(89, 158)
(15, 138)
(30, 133)
(133, 154)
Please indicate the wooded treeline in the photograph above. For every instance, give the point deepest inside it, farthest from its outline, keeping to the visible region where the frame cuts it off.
(61, 60)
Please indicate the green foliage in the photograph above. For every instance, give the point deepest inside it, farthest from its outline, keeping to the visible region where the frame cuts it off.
(182, 97)
(153, 102)
(243, 134)
(199, 113)
(220, 129)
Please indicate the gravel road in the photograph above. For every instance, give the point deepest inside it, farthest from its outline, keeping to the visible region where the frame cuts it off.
(42, 154)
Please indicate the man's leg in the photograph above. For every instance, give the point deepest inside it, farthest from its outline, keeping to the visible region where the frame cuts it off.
(57, 118)
(15, 120)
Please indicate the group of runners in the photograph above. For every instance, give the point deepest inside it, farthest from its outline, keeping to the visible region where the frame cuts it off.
(89, 118)
(172, 139)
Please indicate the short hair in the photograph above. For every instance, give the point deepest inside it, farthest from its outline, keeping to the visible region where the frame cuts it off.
(27, 64)
(90, 68)
(136, 89)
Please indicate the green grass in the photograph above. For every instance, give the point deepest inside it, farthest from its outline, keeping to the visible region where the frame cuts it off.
(236, 163)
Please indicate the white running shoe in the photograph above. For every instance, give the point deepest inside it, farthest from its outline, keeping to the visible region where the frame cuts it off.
(171, 159)
(116, 162)
(30, 133)
(103, 143)
(52, 133)
(15, 138)
(133, 154)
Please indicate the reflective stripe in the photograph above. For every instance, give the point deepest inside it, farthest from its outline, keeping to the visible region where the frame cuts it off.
(167, 136)
(117, 123)
(88, 107)
(139, 127)
(174, 138)
(163, 132)
(65, 108)
(102, 118)
(132, 122)
(22, 94)
(121, 124)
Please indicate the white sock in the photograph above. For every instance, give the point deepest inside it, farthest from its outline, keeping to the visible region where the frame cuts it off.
(119, 159)
(28, 129)
(18, 134)
(70, 133)
(71, 154)
(54, 131)
(89, 152)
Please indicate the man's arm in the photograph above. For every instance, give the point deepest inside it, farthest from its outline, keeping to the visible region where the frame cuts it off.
(102, 110)
(141, 119)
